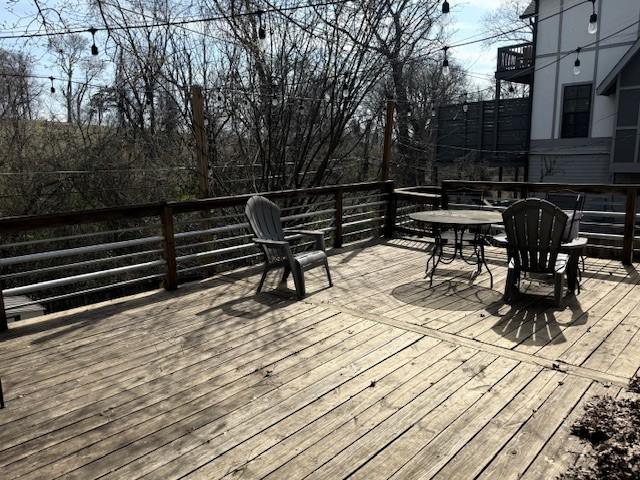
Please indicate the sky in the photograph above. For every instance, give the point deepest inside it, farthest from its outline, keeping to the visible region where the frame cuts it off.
(466, 17)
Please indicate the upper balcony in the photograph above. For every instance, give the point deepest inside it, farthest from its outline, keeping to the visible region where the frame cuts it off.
(516, 63)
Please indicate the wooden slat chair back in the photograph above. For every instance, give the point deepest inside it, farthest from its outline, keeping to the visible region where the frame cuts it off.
(266, 224)
(534, 230)
(265, 219)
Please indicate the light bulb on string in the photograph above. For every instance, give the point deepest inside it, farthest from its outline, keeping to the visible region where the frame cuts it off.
(445, 18)
(576, 65)
(593, 20)
(94, 48)
(465, 104)
(53, 89)
(433, 111)
(274, 101)
(345, 91)
(446, 70)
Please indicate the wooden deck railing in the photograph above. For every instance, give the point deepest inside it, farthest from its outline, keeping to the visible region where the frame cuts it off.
(59, 257)
(54, 259)
(609, 218)
(515, 57)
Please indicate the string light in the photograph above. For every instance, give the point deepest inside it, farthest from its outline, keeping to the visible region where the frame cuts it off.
(446, 71)
(445, 7)
(262, 32)
(345, 91)
(274, 100)
(433, 111)
(593, 20)
(576, 64)
(94, 47)
(53, 89)
(465, 104)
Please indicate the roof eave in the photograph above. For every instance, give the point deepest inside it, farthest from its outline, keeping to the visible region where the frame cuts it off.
(608, 85)
(530, 11)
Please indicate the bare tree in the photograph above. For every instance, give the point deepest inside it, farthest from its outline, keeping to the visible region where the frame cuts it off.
(504, 23)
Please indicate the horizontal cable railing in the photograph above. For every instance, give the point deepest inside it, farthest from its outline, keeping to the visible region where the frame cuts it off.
(68, 259)
(608, 219)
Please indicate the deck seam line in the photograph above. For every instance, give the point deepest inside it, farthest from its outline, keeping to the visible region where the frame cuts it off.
(478, 345)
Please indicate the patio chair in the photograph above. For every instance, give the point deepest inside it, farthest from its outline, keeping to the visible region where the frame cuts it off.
(572, 203)
(534, 230)
(266, 225)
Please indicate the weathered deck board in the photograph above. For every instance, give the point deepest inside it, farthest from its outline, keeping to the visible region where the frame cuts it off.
(378, 377)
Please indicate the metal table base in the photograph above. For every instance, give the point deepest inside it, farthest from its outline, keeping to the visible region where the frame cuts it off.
(438, 255)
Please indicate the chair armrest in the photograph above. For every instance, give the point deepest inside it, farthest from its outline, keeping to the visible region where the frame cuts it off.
(311, 233)
(499, 240)
(271, 243)
(317, 234)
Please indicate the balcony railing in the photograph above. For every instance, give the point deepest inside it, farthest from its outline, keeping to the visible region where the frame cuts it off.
(515, 58)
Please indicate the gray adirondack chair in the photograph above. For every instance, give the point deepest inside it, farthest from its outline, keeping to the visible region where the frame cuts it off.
(266, 224)
(534, 229)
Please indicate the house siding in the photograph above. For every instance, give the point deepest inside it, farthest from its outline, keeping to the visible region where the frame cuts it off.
(588, 159)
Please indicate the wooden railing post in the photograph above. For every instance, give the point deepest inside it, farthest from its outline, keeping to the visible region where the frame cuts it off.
(337, 234)
(171, 280)
(444, 197)
(629, 226)
(388, 138)
(390, 216)
(4, 325)
(200, 132)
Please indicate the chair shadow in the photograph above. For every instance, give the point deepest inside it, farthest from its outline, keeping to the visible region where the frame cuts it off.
(536, 324)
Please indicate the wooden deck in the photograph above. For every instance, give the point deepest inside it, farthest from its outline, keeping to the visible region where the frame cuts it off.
(378, 377)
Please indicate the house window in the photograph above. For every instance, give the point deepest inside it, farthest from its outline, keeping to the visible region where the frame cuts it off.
(627, 146)
(576, 111)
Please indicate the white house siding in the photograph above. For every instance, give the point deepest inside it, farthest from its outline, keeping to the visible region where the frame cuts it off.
(559, 37)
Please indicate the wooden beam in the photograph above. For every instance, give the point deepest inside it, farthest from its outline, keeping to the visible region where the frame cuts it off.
(200, 132)
(629, 226)
(4, 325)
(337, 234)
(169, 245)
(390, 216)
(388, 136)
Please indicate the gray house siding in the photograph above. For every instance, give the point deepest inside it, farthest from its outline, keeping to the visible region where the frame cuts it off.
(581, 160)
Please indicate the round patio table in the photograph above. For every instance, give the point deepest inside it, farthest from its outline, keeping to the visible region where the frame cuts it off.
(476, 222)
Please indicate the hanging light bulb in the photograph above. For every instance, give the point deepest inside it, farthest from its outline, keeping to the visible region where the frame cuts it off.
(53, 89)
(593, 20)
(445, 7)
(433, 111)
(446, 71)
(465, 104)
(576, 64)
(274, 100)
(345, 91)
(262, 32)
(94, 48)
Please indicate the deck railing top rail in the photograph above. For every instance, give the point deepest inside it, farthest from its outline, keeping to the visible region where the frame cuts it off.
(32, 222)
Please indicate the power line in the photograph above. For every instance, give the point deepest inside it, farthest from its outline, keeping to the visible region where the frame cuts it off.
(176, 23)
